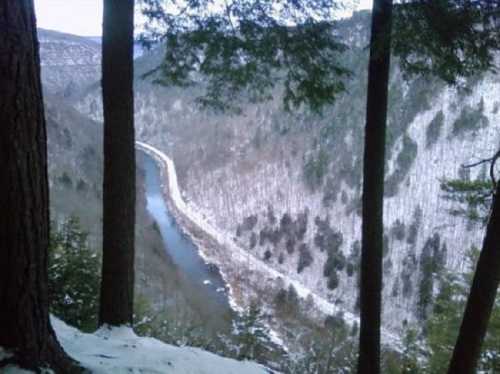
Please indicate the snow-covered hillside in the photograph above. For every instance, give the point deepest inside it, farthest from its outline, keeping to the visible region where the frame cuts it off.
(286, 186)
(69, 63)
(118, 350)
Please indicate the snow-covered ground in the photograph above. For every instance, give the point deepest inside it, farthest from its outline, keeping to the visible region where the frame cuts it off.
(118, 350)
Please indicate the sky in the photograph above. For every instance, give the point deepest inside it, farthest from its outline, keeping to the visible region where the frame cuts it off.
(84, 17)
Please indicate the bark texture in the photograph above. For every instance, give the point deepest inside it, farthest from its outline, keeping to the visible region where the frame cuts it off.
(481, 298)
(373, 188)
(117, 288)
(25, 329)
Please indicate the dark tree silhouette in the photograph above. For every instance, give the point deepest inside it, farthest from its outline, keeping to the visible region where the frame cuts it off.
(373, 189)
(117, 287)
(25, 329)
(482, 296)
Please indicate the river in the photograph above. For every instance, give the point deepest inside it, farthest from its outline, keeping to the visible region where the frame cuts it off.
(207, 289)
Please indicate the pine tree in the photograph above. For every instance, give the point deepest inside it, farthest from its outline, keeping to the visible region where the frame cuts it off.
(25, 330)
(117, 287)
(74, 276)
(251, 336)
(409, 361)
(444, 324)
(373, 189)
(481, 298)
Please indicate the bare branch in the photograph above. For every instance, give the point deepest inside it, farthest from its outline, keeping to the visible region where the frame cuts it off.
(492, 168)
(492, 161)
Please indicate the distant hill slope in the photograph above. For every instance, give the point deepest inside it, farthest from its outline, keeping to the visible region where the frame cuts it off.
(287, 186)
(69, 62)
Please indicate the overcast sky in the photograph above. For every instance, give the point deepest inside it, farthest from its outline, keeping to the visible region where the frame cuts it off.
(84, 17)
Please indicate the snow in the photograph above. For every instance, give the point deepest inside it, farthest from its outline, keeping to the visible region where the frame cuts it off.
(241, 256)
(10, 369)
(118, 350)
(4, 354)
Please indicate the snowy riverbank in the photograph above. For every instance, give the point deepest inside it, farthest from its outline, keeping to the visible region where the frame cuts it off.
(246, 275)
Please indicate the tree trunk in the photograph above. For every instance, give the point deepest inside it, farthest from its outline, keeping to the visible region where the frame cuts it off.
(481, 298)
(373, 188)
(25, 329)
(117, 288)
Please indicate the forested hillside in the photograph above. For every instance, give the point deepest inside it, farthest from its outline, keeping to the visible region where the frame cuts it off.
(299, 187)
(287, 186)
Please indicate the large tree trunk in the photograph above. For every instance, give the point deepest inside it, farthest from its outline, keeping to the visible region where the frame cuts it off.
(373, 188)
(25, 329)
(481, 298)
(117, 288)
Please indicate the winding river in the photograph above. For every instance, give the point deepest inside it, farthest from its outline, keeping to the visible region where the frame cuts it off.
(210, 289)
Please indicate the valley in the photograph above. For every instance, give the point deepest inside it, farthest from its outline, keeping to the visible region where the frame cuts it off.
(278, 193)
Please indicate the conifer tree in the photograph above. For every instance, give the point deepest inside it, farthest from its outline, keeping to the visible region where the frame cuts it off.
(373, 189)
(117, 286)
(251, 336)
(26, 336)
(73, 276)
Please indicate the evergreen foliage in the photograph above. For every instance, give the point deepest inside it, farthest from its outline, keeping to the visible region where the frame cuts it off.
(290, 245)
(159, 325)
(251, 335)
(404, 107)
(432, 262)
(240, 45)
(253, 240)
(472, 197)
(432, 354)
(451, 39)
(305, 258)
(315, 169)
(470, 120)
(411, 353)
(414, 226)
(333, 351)
(404, 161)
(301, 224)
(434, 129)
(65, 180)
(287, 301)
(74, 276)
(398, 230)
(407, 270)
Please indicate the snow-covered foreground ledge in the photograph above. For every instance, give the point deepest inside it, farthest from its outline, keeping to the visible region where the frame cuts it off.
(239, 257)
(119, 351)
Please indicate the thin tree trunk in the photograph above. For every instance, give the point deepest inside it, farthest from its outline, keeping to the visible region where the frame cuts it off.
(373, 188)
(117, 288)
(481, 298)
(25, 329)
